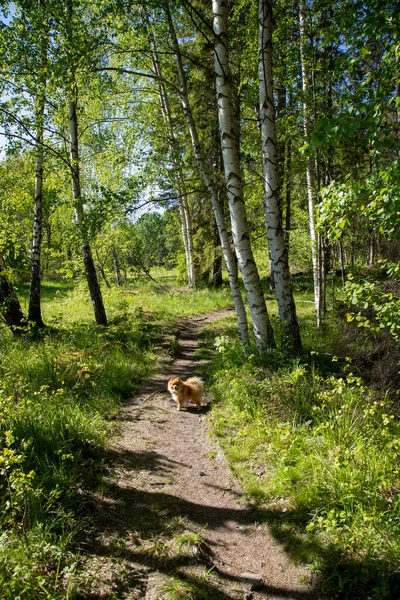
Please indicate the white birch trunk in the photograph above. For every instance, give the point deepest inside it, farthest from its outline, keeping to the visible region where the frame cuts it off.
(184, 211)
(90, 269)
(309, 170)
(272, 185)
(263, 332)
(216, 206)
(34, 308)
(117, 270)
(187, 226)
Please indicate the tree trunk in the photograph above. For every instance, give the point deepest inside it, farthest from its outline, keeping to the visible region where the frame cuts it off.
(100, 267)
(117, 270)
(309, 168)
(211, 188)
(187, 233)
(34, 309)
(48, 246)
(231, 157)
(90, 270)
(217, 261)
(288, 190)
(341, 261)
(272, 185)
(10, 308)
(184, 212)
(371, 251)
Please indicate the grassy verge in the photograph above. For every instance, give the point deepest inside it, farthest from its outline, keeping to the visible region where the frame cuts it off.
(58, 393)
(318, 452)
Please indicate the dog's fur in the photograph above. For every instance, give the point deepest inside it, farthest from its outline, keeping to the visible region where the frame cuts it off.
(191, 389)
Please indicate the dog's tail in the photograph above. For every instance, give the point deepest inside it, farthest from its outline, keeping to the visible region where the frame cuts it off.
(197, 380)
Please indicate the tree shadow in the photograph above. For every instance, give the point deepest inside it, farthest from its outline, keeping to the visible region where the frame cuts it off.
(340, 575)
(144, 517)
(121, 512)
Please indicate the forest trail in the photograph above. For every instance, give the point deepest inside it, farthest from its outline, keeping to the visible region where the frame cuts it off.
(171, 518)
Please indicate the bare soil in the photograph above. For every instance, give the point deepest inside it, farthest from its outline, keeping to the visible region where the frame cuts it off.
(167, 482)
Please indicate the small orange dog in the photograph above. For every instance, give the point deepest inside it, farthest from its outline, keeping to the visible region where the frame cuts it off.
(192, 389)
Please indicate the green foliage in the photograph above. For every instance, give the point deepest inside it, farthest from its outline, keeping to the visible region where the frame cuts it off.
(378, 306)
(321, 453)
(374, 201)
(57, 394)
(38, 564)
(374, 205)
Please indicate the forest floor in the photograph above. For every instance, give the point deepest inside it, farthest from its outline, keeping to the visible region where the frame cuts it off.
(170, 520)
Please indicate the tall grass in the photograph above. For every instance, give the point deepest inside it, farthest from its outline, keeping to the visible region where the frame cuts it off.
(58, 392)
(320, 453)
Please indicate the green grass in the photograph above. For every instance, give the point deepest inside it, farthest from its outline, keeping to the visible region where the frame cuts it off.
(318, 452)
(314, 448)
(59, 390)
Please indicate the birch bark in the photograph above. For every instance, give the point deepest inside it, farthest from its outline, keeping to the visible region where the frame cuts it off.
(228, 127)
(309, 168)
(272, 184)
(211, 189)
(117, 270)
(34, 306)
(90, 269)
(184, 211)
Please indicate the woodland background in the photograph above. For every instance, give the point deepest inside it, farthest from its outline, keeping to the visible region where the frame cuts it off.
(152, 154)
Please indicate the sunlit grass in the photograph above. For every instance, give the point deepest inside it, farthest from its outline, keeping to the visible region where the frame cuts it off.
(58, 391)
(301, 442)
(318, 450)
(165, 300)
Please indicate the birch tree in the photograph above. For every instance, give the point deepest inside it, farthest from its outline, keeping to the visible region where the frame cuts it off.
(316, 259)
(183, 205)
(272, 185)
(228, 127)
(73, 96)
(34, 310)
(25, 73)
(211, 188)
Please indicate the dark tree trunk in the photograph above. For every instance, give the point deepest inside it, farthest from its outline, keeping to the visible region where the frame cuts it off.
(10, 308)
(342, 265)
(94, 286)
(34, 310)
(90, 270)
(217, 262)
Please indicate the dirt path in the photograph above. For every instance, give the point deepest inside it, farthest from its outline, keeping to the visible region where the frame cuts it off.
(171, 519)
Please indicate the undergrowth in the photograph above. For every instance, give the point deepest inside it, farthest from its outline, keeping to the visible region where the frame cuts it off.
(319, 454)
(59, 390)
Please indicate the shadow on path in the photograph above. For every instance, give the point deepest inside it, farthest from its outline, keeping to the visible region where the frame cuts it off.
(146, 517)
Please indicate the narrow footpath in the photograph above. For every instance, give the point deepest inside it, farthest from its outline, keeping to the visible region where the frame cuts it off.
(171, 520)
